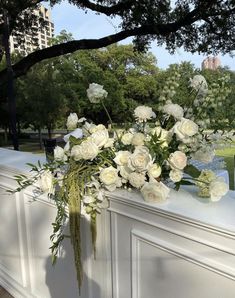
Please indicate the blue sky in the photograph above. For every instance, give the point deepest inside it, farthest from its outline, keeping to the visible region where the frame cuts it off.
(90, 25)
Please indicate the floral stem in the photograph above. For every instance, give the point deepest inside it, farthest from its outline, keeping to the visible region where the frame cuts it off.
(195, 179)
(110, 119)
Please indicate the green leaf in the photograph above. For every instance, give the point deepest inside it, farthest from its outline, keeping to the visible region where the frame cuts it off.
(186, 182)
(192, 171)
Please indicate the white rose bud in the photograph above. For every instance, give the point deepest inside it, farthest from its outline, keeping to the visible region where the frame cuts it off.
(176, 175)
(95, 93)
(88, 199)
(76, 152)
(155, 192)
(137, 180)
(127, 138)
(177, 160)
(124, 171)
(154, 170)
(46, 182)
(217, 189)
(72, 121)
(59, 154)
(94, 128)
(138, 139)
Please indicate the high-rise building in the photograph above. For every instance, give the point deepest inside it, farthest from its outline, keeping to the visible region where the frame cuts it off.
(211, 63)
(38, 37)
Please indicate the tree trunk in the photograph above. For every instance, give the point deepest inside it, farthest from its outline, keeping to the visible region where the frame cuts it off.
(5, 135)
(49, 131)
(18, 128)
(40, 137)
(10, 83)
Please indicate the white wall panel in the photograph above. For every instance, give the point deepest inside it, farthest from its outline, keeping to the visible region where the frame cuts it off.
(183, 249)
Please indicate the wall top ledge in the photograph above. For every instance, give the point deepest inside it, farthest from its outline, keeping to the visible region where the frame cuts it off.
(185, 205)
(16, 161)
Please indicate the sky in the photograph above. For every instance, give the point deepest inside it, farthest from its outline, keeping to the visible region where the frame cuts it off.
(90, 25)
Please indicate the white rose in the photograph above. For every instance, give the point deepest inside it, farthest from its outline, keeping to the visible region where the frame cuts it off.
(143, 113)
(77, 133)
(72, 121)
(81, 120)
(138, 139)
(59, 154)
(122, 157)
(154, 170)
(76, 152)
(89, 150)
(204, 155)
(176, 175)
(177, 160)
(199, 84)
(46, 182)
(110, 143)
(140, 160)
(100, 137)
(137, 180)
(109, 177)
(67, 147)
(127, 138)
(184, 129)
(161, 133)
(217, 189)
(95, 93)
(88, 199)
(94, 128)
(174, 110)
(86, 128)
(124, 171)
(154, 191)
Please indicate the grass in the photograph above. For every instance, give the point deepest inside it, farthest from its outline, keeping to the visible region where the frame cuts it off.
(228, 154)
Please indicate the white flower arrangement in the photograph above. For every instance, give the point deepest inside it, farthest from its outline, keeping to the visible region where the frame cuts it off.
(142, 157)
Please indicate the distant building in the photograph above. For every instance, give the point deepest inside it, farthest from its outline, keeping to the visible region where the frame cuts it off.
(211, 63)
(38, 36)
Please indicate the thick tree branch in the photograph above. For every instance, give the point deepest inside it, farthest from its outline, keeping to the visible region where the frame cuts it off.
(24, 65)
(108, 10)
(157, 30)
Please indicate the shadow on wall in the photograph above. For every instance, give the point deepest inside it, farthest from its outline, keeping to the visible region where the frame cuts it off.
(61, 278)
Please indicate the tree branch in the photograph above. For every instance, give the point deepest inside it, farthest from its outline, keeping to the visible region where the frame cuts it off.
(108, 10)
(158, 30)
(21, 67)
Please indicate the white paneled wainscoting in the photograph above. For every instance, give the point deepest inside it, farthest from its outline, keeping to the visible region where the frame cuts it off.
(184, 248)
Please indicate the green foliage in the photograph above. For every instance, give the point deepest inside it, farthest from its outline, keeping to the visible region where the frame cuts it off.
(40, 97)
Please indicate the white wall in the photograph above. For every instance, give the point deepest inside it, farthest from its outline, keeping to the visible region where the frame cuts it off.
(182, 249)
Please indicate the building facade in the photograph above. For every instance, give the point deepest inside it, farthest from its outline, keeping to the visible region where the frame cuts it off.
(211, 63)
(38, 37)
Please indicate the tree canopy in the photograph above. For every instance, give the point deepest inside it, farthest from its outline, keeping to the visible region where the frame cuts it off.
(196, 25)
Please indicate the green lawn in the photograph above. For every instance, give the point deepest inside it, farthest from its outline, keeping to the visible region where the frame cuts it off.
(228, 154)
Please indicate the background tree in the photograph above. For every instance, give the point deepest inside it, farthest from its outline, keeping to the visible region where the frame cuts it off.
(41, 103)
(195, 25)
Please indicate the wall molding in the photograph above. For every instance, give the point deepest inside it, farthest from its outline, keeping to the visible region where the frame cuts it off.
(139, 236)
